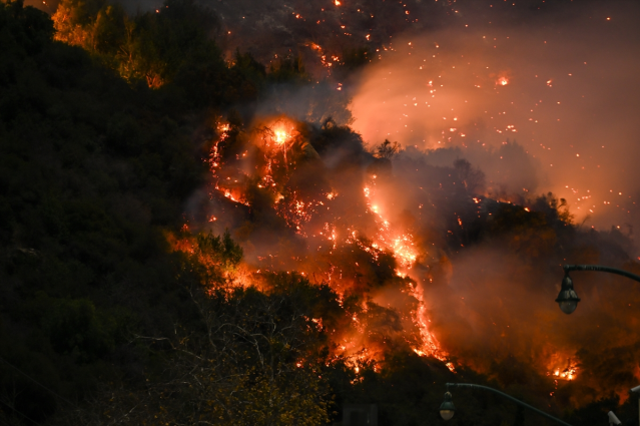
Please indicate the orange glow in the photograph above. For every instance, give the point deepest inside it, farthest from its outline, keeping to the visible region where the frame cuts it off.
(569, 373)
(562, 366)
(282, 130)
(430, 345)
(272, 152)
(281, 136)
(503, 81)
(403, 248)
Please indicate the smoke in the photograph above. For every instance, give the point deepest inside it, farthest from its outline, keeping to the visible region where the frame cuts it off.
(497, 306)
(446, 246)
(565, 89)
(542, 106)
(492, 107)
(311, 103)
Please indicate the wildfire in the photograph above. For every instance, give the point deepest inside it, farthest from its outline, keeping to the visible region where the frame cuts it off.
(403, 247)
(430, 345)
(282, 131)
(401, 244)
(281, 136)
(266, 163)
(568, 372)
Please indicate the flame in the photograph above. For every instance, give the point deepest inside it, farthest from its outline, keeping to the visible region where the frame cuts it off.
(271, 154)
(430, 345)
(282, 130)
(403, 248)
(281, 136)
(568, 371)
(400, 243)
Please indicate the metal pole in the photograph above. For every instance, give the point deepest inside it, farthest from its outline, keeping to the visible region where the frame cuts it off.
(509, 397)
(600, 268)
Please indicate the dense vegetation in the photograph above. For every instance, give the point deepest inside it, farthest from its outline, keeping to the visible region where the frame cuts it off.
(101, 142)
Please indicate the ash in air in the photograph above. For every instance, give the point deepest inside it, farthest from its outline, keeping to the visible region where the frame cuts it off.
(484, 141)
(558, 78)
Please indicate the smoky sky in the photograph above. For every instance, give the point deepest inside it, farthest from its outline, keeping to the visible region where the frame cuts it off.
(570, 98)
(435, 81)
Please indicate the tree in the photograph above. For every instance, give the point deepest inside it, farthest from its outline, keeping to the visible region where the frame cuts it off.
(252, 356)
(387, 149)
(25, 30)
(473, 180)
(288, 70)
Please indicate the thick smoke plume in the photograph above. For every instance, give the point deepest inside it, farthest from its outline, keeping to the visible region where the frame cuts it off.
(424, 259)
(434, 219)
(564, 89)
(442, 233)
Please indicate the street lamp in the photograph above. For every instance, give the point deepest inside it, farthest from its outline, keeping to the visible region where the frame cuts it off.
(613, 419)
(447, 409)
(568, 298)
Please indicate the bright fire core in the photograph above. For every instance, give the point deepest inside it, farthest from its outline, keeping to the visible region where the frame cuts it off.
(281, 136)
(349, 239)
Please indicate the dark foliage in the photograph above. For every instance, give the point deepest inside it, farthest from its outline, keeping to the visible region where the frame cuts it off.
(90, 170)
(100, 319)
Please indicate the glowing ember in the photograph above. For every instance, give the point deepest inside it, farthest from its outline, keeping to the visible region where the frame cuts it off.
(568, 372)
(281, 136)
(403, 248)
(282, 131)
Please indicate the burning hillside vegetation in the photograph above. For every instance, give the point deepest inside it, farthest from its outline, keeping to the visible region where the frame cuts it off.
(390, 187)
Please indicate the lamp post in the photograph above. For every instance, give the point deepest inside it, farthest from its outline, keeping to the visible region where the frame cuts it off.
(613, 419)
(568, 301)
(447, 409)
(568, 298)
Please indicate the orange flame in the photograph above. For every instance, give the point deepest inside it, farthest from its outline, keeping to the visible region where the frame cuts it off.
(270, 157)
(281, 136)
(282, 130)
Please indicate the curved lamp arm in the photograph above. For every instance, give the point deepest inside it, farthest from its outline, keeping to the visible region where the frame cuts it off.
(509, 397)
(600, 268)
